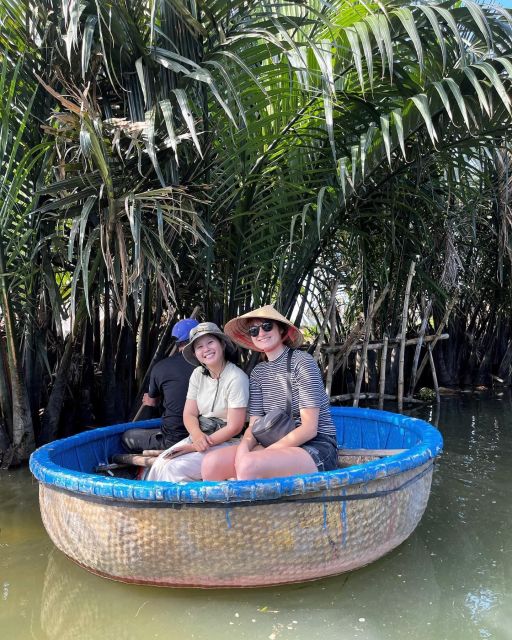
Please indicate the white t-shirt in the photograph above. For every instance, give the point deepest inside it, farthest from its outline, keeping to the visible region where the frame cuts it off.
(215, 397)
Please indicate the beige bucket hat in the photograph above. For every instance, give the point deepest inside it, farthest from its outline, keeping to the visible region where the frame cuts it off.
(237, 328)
(201, 330)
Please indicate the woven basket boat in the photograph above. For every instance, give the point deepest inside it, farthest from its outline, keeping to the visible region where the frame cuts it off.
(238, 533)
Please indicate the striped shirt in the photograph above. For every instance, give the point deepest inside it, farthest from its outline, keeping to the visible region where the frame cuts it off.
(268, 389)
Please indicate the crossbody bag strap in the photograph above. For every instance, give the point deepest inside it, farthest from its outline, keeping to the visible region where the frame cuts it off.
(289, 383)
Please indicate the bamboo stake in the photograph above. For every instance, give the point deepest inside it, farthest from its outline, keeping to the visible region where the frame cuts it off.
(405, 310)
(355, 332)
(332, 300)
(344, 349)
(419, 344)
(332, 340)
(434, 374)
(382, 380)
(377, 346)
(373, 396)
(437, 336)
(364, 352)
(436, 414)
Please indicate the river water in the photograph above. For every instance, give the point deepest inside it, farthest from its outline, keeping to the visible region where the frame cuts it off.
(452, 579)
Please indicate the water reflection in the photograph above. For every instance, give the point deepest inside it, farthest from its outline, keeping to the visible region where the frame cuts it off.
(480, 602)
(471, 517)
(362, 603)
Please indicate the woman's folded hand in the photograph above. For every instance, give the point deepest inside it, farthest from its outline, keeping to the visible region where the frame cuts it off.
(201, 442)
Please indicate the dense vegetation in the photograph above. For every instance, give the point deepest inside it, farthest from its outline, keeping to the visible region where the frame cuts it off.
(166, 154)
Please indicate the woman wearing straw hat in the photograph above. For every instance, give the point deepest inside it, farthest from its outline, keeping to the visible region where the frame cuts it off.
(311, 445)
(215, 408)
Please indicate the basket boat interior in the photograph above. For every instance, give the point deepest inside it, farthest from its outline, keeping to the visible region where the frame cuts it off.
(70, 463)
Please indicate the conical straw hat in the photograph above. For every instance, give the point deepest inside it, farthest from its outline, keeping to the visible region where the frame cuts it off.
(237, 328)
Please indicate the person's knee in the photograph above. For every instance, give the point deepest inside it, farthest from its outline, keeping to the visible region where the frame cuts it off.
(185, 468)
(210, 467)
(247, 467)
(218, 465)
(127, 440)
(178, 466)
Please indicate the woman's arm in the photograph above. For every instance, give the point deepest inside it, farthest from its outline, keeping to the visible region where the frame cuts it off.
(305, 431)
(236, 399)
(307, 383)
(248, 442)
(191, 421)
(234, 424)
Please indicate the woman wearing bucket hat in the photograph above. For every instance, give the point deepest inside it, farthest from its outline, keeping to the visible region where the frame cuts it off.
(215, 408)
(311, 445)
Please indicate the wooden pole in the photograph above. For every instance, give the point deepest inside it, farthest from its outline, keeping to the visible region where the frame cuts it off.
(332, 341)
(349, 344)
(376, 346)
(434, 374)
(400, 392)
(436, 414)
(364, 353)
(436, 337)
(373, 396)
(332, 301)
(344, 349)
(382, 380)
(419, 344)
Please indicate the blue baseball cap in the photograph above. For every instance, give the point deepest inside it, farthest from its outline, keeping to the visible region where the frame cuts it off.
(182, 328)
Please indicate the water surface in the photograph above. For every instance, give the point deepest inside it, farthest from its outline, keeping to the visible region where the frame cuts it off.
(452, 579)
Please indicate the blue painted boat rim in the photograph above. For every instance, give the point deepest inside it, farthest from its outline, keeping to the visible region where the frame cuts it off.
(48, 472)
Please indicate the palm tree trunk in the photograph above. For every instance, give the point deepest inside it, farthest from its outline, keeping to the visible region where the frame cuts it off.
(5, 392)
(51, 416)
(302, 307)
(22, 430)
(143, 333)
(35, 378)
(125, 356)
(108, 372)
(87, 416)
(504, 368)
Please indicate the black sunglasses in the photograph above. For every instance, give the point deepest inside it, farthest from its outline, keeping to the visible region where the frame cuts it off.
(266, 325)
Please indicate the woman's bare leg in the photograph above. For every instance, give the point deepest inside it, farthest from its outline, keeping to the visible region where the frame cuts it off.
(274, 463)
(219, 464)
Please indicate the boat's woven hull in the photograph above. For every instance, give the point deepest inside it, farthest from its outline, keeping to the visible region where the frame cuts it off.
(242, 544)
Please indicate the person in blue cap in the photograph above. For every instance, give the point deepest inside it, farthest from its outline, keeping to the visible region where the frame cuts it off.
(168, 386)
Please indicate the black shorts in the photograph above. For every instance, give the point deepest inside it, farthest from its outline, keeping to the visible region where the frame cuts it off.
(324, 451)
(136, 440)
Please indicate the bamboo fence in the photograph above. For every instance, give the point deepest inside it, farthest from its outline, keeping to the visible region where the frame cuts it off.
(360, 342)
